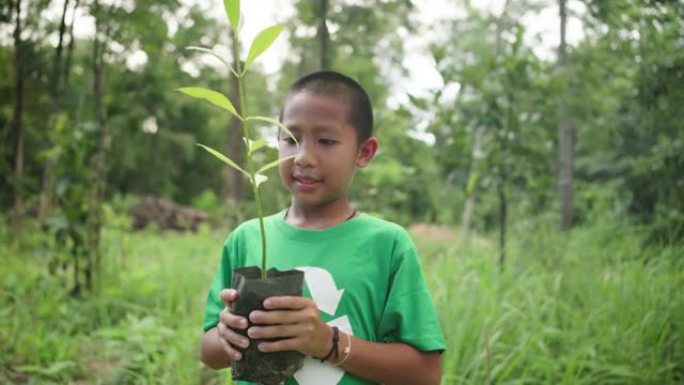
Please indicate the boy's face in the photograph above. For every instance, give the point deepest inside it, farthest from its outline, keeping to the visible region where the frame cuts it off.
(328, 152)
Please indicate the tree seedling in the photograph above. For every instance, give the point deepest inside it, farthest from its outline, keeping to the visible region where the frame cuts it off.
(253, 285)
(259, 45)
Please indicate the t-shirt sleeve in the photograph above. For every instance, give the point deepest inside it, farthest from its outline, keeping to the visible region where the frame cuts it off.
(214, 305)
(409, 315)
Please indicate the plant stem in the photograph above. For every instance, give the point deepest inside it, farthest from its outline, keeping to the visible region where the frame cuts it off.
(250, 163)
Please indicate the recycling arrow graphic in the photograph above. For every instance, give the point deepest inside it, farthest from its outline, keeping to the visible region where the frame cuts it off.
(327, 297)
(313, 372)
(322, 287)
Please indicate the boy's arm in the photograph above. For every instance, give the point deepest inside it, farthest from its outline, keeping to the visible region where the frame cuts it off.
(391, 363)
(212, 353)
(218, 343)
(386, 363)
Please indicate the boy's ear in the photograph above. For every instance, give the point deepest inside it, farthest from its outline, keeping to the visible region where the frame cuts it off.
(367, 151)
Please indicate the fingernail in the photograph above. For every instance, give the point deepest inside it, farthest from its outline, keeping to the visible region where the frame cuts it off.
(243, 323)
(236, 356)
(253, 316)
(268, 303)
(244, 342)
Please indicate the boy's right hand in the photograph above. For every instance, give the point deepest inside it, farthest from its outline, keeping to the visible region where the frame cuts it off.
(228, 322)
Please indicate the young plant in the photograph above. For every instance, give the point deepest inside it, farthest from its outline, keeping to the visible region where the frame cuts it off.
(256, 176)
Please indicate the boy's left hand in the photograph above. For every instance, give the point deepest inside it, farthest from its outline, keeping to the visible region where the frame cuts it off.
(297, 321)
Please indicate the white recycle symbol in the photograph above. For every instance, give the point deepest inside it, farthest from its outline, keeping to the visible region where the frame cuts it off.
(324, 292)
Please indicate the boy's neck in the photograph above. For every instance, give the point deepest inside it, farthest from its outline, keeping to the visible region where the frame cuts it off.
(319, 218)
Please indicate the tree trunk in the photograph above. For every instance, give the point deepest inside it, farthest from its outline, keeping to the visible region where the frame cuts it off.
(503, 181)
(565, 134)
(55, 90)
(70, 49)
(17, 127)
(56, 66)
(323, 35)
(471, 188)
(469, 208)
(503, 218)
(100, 158)
(46, 190)
(234, 179)
(506, 126)
(75, 254)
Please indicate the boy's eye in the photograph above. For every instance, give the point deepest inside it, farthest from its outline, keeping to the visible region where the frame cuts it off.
(288, 140)
(326, 142)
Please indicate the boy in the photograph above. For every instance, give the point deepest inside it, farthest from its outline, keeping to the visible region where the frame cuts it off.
(369, 303)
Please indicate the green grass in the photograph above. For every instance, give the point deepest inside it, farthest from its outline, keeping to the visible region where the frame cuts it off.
(592, 307)
(143, 326)
(589, 307)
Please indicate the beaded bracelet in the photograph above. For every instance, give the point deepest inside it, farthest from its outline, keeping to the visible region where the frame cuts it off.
(335, 347)
(346, 351)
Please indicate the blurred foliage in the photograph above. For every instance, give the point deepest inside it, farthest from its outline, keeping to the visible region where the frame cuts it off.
(599, 304)
(624, 80)
(592, 306)
(496, 90)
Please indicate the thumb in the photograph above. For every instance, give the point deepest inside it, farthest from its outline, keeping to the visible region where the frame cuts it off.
(228, 296)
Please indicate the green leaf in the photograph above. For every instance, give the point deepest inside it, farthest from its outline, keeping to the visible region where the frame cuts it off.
(51, 370)
(223, 158)
(261, 43)
(418, 102)
(274, 122)
(257, 144)
(57, 368)
(210, 52)
(213, 53)
(233, 12)
(472, 180)
(260, 178)
(28, 368)
(275, 163)
(216, 98)
(253, 145)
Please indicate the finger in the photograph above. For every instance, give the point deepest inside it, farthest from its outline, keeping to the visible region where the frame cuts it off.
(279, 331)
(279, 346)
(228, 296)
(276, 317)
(288, 302)
(230, 351)
(231, 320)
(227, 347)
(234, 338)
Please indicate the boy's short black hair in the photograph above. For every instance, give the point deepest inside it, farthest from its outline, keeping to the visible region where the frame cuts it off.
(337, 85)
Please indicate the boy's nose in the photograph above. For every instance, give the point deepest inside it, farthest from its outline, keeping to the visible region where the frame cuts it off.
(305, 156)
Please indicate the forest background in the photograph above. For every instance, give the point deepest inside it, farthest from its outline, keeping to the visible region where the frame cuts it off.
(543, 182)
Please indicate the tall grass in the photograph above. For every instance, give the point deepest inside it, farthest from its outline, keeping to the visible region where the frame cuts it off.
(589, 307)
(142, 325)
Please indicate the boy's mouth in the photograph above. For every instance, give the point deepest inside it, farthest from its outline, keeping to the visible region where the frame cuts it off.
(303, 182)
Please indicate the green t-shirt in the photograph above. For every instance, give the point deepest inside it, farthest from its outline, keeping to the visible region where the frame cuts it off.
(363, 274)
